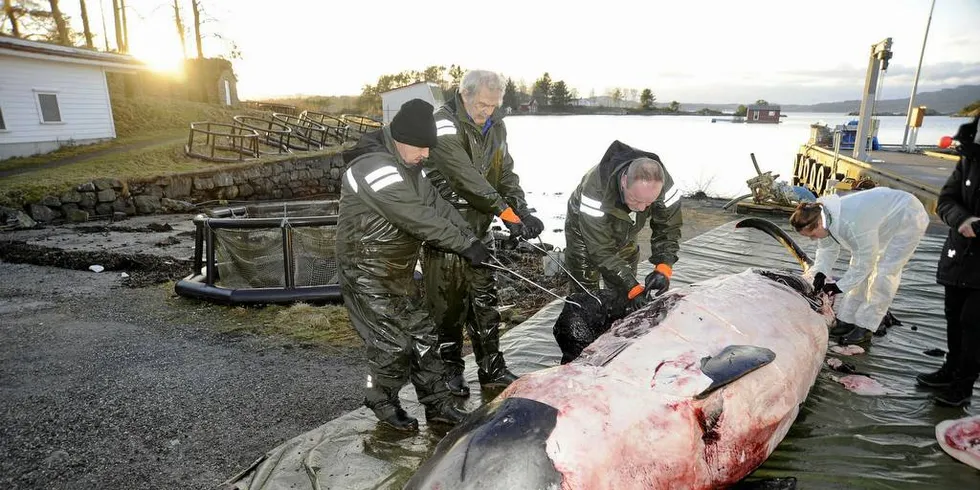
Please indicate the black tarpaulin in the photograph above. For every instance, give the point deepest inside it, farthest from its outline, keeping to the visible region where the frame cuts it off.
(839, 440)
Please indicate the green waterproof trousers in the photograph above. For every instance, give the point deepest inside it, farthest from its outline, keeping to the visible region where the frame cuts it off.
(401, 341)
(458, 294)
(581, 267)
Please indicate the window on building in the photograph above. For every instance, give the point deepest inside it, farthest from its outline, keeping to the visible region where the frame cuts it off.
(3, 125)
(48, 103)
(772, 113)
(755, 116)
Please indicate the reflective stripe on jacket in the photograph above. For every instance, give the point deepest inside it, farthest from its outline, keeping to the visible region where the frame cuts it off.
(387, 209)
(473, 171)
(598, 218)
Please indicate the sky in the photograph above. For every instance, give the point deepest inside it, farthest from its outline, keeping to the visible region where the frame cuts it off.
(718, 51)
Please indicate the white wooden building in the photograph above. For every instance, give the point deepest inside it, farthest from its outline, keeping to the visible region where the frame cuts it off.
(392, 100)
(52, 96)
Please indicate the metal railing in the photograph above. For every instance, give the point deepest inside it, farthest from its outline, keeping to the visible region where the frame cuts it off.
(336, 126)
(220, 137)
(309, 135)
(271, 133)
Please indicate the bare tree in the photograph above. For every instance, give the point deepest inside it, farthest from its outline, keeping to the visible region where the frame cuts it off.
(105, 32)
(11, 13)
(59, 22)
(180, 29)
(27, 18)
(125, 26)
(85, 26)
(196, 10)
(117, 23)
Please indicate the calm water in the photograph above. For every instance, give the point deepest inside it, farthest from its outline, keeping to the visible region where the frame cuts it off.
(552, 152)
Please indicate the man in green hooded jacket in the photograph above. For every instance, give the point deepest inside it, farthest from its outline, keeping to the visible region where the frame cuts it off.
(387, 209)
(474, 171)
(606, 212)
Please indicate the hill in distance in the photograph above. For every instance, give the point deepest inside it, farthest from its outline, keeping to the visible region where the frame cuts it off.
(945, 101)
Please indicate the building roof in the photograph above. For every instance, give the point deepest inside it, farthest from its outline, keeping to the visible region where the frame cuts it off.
(22, 48)
(767, 107)
(411, 85)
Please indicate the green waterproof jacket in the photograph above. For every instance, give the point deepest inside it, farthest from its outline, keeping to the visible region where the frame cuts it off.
(472, 170)
(599, 224)
(387, 209)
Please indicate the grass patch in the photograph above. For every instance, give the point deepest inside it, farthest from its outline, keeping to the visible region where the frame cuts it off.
(164, 159)
(320, 326)
(83, 151)
(141, 163)
(141, 115)
(326, 326)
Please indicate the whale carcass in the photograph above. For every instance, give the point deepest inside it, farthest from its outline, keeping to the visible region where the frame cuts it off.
(694, 390)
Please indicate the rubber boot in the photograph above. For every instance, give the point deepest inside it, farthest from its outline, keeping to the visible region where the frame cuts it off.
(941, 378)
(444, 413)
(457, 383)
(841, 328)
(451, 354)
(957, 394)
(501, 379)
(857, 335)
(392, 415)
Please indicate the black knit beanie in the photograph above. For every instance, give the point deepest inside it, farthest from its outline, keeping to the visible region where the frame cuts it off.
(414, 124)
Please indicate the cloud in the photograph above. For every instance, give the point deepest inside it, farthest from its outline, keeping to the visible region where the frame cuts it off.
(824, 85)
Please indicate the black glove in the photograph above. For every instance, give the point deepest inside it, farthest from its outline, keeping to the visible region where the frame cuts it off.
(515, 229)
(831, 289)
(532, 226)
(477, 253)
(818, 281)
(638, 302)
(636, 298)
(657, 283)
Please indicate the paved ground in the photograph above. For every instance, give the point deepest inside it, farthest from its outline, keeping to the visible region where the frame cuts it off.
(110, 387)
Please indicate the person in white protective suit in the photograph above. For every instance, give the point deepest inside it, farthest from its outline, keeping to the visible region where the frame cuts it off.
(881, 228)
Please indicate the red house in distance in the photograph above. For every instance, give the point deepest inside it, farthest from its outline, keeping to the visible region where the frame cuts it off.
(759, 113)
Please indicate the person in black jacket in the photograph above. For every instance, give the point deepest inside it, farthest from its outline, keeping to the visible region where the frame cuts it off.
(615, 200)
(387, 210)
(959, 272)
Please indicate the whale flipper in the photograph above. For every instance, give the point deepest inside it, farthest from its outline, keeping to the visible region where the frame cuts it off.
(732, 363)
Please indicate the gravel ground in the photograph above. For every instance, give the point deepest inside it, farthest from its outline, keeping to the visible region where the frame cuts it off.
(102, 388)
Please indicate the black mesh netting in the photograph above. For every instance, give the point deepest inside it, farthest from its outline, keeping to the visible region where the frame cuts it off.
(253, 258)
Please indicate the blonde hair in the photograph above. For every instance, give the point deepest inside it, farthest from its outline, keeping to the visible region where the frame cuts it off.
(806, 215)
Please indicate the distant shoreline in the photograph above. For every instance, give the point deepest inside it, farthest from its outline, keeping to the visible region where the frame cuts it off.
(620, 113)
(727, 114)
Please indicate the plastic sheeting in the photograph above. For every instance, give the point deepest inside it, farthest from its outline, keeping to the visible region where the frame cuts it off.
(840, 439)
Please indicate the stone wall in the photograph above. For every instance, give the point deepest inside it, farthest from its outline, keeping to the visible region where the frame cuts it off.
(295, 178)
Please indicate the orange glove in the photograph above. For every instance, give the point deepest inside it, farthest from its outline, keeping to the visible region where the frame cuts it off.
(659, 279)
(509, 216)
(513, 222)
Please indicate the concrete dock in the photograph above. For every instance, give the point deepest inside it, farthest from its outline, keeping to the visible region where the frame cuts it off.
(922, 173)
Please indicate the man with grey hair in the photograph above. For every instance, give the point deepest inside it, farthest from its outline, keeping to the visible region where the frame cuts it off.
(607, 211)
(473, 169)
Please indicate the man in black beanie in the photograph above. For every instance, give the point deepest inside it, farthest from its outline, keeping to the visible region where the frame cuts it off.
(387, 209)
(415, 125)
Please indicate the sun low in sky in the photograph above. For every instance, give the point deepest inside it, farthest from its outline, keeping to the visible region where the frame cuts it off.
(694, 51)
